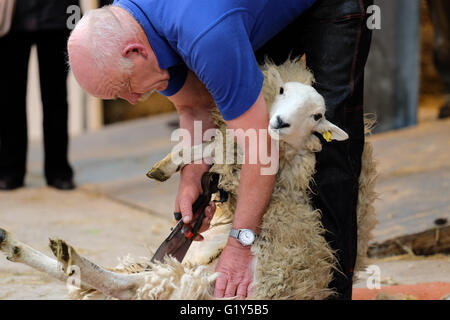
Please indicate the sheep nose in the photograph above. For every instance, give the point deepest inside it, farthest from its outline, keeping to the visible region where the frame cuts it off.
(281, 124)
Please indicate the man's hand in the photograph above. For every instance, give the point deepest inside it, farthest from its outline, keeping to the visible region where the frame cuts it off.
(235, 266)
(189, 190)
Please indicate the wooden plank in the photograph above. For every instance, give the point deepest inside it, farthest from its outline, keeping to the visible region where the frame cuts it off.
(429, 242)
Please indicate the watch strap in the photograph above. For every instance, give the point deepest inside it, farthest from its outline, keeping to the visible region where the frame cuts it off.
(235, 233)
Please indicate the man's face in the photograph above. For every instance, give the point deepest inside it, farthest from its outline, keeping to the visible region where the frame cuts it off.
(144, 79)
(129, 71)
(127, 90)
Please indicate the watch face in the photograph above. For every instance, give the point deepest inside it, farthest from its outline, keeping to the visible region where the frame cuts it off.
(247, 237)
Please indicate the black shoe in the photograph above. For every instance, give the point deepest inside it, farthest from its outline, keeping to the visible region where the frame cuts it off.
(61, 184)
(444, 112)
(10, 183)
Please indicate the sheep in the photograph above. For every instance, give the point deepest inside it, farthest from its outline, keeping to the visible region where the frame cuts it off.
(292, 258)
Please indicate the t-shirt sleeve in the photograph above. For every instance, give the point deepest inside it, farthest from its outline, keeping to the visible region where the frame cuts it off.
(223, 59)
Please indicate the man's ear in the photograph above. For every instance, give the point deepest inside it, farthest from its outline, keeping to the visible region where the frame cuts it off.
(337, 133)
(134, 48)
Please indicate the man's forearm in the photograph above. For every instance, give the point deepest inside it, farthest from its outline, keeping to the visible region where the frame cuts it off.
(255, 191)
(193, 103)
(256, 185)
(188, 116)
(191, 175)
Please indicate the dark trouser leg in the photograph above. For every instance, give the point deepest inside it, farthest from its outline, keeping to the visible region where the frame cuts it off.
(339, 46)
(336, 42)
(440, 18)
(51, 46)
(14, 56)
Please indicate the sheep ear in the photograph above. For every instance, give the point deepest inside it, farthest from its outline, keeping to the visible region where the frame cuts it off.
(274, 77)
(330, 131)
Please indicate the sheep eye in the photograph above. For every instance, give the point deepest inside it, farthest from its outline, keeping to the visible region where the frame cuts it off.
(281, 90)
(317, 116)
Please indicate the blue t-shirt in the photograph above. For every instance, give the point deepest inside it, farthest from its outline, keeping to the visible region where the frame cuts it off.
(216, 39)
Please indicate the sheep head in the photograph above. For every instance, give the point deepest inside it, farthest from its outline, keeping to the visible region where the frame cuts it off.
(298, 111)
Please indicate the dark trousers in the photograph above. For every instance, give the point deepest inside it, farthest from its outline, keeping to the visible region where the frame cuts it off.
(14, 56)
(440, 18)
(334, 37)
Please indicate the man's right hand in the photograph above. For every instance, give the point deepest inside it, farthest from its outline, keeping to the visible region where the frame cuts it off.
(189, 190)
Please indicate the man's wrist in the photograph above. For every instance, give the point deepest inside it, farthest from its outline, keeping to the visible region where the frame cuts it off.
(243, 237)
(232, 242)
(249, 225)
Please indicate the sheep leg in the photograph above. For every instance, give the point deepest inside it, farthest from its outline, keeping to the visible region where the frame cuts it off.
(176, 160)
(17, 251)
(121, 286)
(116, 285)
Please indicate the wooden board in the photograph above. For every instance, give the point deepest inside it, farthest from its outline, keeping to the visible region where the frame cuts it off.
(429, 242)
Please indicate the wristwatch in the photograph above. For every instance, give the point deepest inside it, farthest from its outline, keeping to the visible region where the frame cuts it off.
(245, 236)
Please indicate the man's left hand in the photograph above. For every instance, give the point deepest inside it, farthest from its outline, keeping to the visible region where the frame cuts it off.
(235, 269)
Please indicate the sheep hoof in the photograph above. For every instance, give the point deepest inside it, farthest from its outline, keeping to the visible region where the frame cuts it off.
(62, 251)
(156, 173)
(9, 248)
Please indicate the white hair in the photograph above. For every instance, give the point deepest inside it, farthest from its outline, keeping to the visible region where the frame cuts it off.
(107, 36)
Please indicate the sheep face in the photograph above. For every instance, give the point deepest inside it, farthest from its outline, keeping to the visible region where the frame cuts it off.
(297, 111)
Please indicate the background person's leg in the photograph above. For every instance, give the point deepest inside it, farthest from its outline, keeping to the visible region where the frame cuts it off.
(440, 18)
(51, 46)
(14, 56)
(336, 41)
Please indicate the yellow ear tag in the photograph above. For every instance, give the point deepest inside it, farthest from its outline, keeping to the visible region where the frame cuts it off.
(327, 136)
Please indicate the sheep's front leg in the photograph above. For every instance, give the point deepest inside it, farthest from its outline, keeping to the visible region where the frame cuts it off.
(17, 251)
(176, 160)
(116, 285)
(121, 286)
